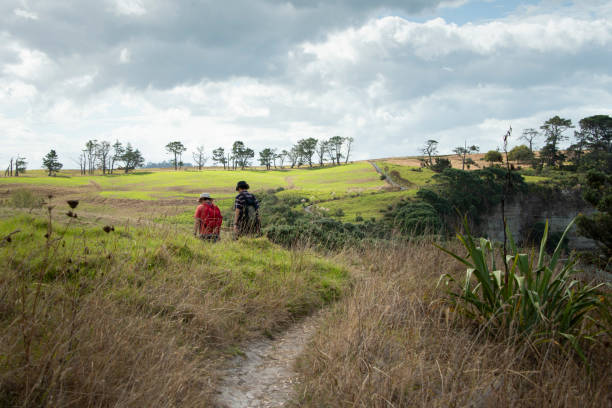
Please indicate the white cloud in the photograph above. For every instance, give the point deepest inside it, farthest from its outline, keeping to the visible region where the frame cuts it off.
(124, 56)
(32, 65)
(25, 14)
(129, 7)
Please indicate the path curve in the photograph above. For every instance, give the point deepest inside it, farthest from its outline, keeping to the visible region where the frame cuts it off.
(388, 178)
(264, 376)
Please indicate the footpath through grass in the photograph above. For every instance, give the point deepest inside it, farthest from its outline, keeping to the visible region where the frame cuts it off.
(138, 316)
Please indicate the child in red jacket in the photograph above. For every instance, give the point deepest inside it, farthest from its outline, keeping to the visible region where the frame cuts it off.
(208, 219)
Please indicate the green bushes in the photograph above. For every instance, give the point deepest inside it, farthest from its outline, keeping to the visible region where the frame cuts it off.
(416, 218)
(536, 298)
(470, 192)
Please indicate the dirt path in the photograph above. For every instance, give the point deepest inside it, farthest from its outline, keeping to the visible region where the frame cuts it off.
(388, 178)
(264, 375)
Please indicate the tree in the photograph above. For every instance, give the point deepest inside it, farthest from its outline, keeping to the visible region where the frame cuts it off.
(463, 151)
(265, 157)
(241, 155)
(102, 155)
(132, 158)
(219, 156)
(176, 149)
(9, 169)
(335, 147)
(282, 156)
(51, 163)
(322, 150)
(307, 148)
(349, 142)
(294, 156)
(520, 154)
(237, 152)
(440, 164)
(118, 151)
(554, 129)
(430, 150)
(598, 132)
(20, 165)
(529, 135)
(90, 152)
(577, 149)
(493, 156)
(199, 158)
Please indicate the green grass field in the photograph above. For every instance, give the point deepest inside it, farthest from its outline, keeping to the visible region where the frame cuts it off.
(411, 176)
(343, 192)
(177, 191)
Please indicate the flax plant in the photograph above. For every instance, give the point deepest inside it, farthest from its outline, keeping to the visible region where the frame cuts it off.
(538, 298)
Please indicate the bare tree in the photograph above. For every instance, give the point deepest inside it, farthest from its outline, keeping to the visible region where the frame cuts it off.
(349, 142)
(463, 151)
(199, 157)
(529, 135)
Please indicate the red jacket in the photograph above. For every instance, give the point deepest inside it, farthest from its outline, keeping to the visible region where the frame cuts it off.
(211, 218)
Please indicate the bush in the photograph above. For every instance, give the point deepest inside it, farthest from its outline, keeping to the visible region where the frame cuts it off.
(383, 177)
(469, 192)
(416, 218)
(440, 165)
(537, 298)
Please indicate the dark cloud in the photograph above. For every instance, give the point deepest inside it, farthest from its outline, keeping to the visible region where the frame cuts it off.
(175, 42)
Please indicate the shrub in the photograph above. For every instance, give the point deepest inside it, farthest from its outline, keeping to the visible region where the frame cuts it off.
(520, 154)
(536, 298)
(383, 177)
(440, 165)
(416, 218)
(493, 156)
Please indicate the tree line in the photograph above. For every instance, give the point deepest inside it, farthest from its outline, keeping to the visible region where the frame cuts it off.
(308, 151)
(591, 146)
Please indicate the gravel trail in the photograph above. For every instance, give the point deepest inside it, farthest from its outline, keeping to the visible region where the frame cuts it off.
(264, 375)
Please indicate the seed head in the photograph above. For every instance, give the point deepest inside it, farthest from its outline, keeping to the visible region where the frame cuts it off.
(73, 203)
(108, 228)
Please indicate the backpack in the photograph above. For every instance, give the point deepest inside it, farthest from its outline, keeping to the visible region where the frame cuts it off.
(248, 215)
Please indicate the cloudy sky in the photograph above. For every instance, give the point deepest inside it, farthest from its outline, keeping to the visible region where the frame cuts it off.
(390, 73)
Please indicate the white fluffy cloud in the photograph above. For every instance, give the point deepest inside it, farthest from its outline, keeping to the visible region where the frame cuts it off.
(386, 80)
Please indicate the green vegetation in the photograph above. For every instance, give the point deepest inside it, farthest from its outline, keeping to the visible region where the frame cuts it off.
(533, 297)
(598, 192)
(408, 176)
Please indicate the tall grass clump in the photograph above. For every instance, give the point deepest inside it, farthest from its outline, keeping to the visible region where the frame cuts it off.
(536, 297)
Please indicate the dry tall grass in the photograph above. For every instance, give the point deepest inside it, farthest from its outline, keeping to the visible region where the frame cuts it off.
(393, 343)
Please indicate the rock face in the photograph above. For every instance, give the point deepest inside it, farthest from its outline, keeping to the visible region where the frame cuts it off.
(526, 210)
